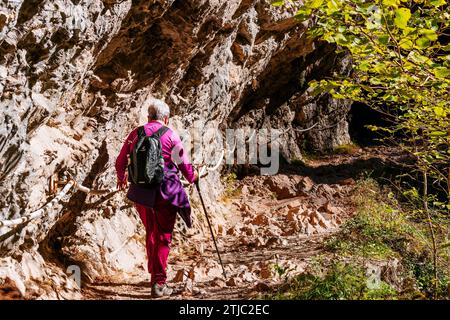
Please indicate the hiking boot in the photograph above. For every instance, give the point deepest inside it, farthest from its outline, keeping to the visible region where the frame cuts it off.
(161, 290)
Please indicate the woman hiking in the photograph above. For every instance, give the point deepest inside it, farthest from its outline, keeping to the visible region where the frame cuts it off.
(158, 203)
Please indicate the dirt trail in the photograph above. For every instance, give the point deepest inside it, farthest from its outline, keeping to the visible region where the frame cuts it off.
(279, 224)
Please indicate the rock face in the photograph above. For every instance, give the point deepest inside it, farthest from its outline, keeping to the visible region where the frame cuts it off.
(73, 75)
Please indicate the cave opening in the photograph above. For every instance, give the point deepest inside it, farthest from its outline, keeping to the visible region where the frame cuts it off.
(360, 117)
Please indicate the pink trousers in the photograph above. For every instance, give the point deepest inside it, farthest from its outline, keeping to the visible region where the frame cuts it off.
(159, 223)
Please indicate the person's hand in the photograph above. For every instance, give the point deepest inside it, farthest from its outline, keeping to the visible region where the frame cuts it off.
(122, 185)
(195, 180)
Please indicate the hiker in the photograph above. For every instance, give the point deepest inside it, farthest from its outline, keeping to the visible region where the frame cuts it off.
(158, 204)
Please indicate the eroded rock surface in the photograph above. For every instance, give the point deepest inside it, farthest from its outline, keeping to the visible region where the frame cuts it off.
(73, 75)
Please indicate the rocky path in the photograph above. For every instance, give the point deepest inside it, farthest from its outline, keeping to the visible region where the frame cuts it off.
(243, 280)
(276, 226)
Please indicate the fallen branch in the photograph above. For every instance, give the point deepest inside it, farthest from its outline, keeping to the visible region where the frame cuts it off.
(40, 212)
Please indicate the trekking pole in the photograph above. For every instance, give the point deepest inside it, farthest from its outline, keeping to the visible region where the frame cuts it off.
(210, 227)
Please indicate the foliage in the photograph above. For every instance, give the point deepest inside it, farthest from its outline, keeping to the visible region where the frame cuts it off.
(381, 229)
(400, 51)
(231, 191)
(349, 148)
(340, 281)
(281, 271)
(401, 57)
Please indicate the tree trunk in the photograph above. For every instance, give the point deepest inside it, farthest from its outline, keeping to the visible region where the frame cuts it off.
(430, 226)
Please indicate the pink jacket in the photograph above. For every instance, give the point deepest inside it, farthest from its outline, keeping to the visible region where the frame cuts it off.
(170, 143)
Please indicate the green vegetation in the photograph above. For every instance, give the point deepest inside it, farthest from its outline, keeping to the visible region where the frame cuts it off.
(400, 52)
(401, 67)
(380, 228)
(339, 281)
(383, 229)
(380, 233)
(229, 181)
(349, 148)
(309, 154)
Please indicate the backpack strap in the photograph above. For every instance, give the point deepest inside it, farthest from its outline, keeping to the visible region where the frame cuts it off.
(158, 134)
(141, 132)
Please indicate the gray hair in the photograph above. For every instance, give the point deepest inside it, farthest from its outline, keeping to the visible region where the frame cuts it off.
(157, 109)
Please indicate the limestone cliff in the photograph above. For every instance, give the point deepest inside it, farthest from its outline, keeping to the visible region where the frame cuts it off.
(73, 74)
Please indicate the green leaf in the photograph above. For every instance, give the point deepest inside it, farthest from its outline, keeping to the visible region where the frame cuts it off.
(438, 3)
(439, 111)
(402, 16)
(423, 42)
(332, 6)
(438, 133)
(408, 31)
(406, 44)
(364, 66)
(418, 58)
(383, 39)
(429, 34)
(277, 3)
(389, 97)
(340, 39)
(316, 4)
(303, 14)
(391, 3)
(442, 72)
(413, 193)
